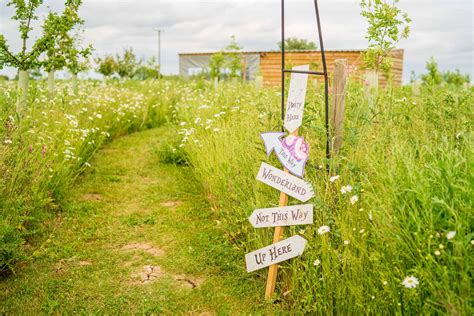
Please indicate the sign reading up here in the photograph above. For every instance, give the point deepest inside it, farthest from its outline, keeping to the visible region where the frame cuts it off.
(275, 253)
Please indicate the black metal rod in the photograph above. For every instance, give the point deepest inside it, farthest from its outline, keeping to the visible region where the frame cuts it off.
(305, 72)
(282, 65)
(326, 82)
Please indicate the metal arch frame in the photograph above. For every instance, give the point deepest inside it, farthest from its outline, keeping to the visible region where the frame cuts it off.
(324, 73)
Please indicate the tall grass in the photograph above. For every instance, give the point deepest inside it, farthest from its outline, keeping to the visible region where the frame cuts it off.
(408, 160)
(42, 152)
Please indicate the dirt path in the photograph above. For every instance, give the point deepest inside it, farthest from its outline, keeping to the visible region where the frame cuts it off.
(135, 238)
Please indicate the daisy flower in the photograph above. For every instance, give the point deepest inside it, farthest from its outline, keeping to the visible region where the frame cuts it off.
(333, 178)
(323, 230)
(451, 234)
(346, 189)
(410, 282)
(316, 262)
(354, 199)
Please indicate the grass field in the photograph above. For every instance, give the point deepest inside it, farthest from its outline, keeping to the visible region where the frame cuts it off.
(406, 157)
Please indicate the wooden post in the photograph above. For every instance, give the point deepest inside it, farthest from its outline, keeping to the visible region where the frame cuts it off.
(277, 236)
(337, 110)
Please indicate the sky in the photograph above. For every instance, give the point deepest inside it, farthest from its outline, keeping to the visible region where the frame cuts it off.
(442, 29)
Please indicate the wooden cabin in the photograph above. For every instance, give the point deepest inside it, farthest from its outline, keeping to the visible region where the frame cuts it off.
(268, 64)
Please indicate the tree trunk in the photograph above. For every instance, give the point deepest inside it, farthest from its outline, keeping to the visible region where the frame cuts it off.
(74, 83)
(22, 100)
(51, 87)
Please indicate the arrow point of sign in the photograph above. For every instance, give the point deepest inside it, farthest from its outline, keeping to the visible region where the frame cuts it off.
(271, 140)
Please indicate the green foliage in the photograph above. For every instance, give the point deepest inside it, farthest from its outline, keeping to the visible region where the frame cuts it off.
(216, 63)
(435, 77)
(456, 78)
(25, 15)
(150, 70)
(106, 65)
(233, 58)
(294, 43)
(230, 59)
(387, 26)
(57, 29)
(127, 63)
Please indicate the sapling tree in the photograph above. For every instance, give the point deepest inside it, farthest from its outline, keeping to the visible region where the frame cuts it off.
(106, 66)
(387, 26)
(57, 29)
(234, 58)
(127, 64)
(25, 59)
(216, 62)
(77, 58)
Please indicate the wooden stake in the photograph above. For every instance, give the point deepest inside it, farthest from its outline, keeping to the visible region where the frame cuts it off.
(277, 236)
(337, 115)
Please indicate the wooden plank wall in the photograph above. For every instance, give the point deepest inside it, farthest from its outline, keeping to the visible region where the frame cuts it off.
(270, 64)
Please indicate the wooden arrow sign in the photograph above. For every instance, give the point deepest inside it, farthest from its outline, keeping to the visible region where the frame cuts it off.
(296, 98)
(292, 151)
(284, 182)
(282, 216)
(275, 253)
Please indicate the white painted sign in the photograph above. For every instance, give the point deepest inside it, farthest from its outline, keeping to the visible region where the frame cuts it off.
(275, 253)
(292, 151)
(296, 98)
(282, 216)
(285, 182)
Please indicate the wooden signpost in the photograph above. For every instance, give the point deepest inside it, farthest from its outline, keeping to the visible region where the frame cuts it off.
(292, 151)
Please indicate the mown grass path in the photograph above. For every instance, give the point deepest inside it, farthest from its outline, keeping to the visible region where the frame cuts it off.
(136, 237)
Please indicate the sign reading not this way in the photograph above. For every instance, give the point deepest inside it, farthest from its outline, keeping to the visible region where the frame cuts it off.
(275, 253)
(282, 216)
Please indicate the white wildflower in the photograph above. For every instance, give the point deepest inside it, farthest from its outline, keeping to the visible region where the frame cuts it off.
(346, 242)
(182, 123)
(346, 189)
(98, 115)
(7, 142)
(216, 129)
(323, 230)
(354, 199)
(451, 234)
(361, 231)
(410, 282)
(437, 253)
(316, 262)
(333, 178)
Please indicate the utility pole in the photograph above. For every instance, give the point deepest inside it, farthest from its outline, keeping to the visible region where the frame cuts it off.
(159, 51)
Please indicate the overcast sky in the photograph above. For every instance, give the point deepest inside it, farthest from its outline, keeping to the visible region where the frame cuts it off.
(443, 29)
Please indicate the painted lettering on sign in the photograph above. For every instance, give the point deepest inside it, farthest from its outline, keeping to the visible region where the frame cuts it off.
(296, 99)
(292, 151)
(275, 253)
(285, 182)
(282, 216)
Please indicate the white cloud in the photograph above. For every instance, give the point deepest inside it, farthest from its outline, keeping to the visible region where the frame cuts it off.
(441, 29)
